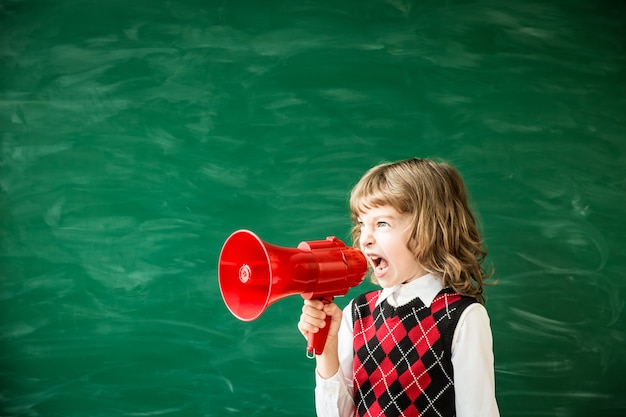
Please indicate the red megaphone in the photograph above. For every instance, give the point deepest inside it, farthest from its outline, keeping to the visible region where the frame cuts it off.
(253, 274)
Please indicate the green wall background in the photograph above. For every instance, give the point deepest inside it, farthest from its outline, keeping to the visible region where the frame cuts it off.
(137, 135)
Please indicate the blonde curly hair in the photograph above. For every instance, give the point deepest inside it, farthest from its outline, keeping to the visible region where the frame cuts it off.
(445, 238)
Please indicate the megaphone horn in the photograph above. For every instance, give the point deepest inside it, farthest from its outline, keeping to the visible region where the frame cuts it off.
(254, 274)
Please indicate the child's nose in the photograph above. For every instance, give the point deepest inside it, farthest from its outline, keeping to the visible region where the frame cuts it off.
(367, 238)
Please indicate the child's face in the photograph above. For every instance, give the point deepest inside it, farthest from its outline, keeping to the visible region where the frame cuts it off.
(384, 237)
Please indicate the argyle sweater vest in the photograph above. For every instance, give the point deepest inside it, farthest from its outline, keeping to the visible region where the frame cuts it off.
(402, 356)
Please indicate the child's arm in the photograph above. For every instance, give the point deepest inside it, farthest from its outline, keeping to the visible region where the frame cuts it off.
(472, 359)
(333, 396)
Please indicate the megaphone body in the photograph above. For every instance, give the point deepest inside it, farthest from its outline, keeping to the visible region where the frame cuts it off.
(254, 274)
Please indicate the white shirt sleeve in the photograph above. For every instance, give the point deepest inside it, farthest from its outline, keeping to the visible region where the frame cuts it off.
(334, 396)
(472, 359)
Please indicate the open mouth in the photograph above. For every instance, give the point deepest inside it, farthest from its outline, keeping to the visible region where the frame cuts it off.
(379, 264)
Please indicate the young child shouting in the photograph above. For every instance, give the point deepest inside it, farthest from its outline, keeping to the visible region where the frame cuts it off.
(422, 344)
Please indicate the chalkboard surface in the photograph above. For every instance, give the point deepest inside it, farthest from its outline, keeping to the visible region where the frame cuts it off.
(135, 136)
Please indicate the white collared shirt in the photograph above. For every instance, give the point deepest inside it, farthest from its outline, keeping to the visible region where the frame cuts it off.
(472, 357)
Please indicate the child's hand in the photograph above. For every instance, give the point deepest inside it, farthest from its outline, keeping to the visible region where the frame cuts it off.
(313, 317)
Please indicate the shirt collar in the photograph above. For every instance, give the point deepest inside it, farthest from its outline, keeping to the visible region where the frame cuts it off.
(425, 287)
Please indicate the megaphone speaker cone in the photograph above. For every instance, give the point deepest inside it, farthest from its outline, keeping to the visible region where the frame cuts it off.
(244, 275)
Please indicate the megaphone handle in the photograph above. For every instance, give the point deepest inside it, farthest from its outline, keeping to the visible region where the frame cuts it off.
(317, 341)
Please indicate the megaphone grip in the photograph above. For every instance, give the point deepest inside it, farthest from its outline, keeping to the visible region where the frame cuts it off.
(317, 341)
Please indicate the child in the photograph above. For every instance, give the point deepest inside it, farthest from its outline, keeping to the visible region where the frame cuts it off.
(421, 345)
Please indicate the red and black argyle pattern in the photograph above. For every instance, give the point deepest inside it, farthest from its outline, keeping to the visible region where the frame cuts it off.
(402, 356)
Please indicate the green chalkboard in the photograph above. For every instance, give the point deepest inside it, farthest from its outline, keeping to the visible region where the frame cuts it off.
(135, 136)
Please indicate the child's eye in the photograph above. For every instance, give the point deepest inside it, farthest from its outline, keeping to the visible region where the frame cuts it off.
(382, 224)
